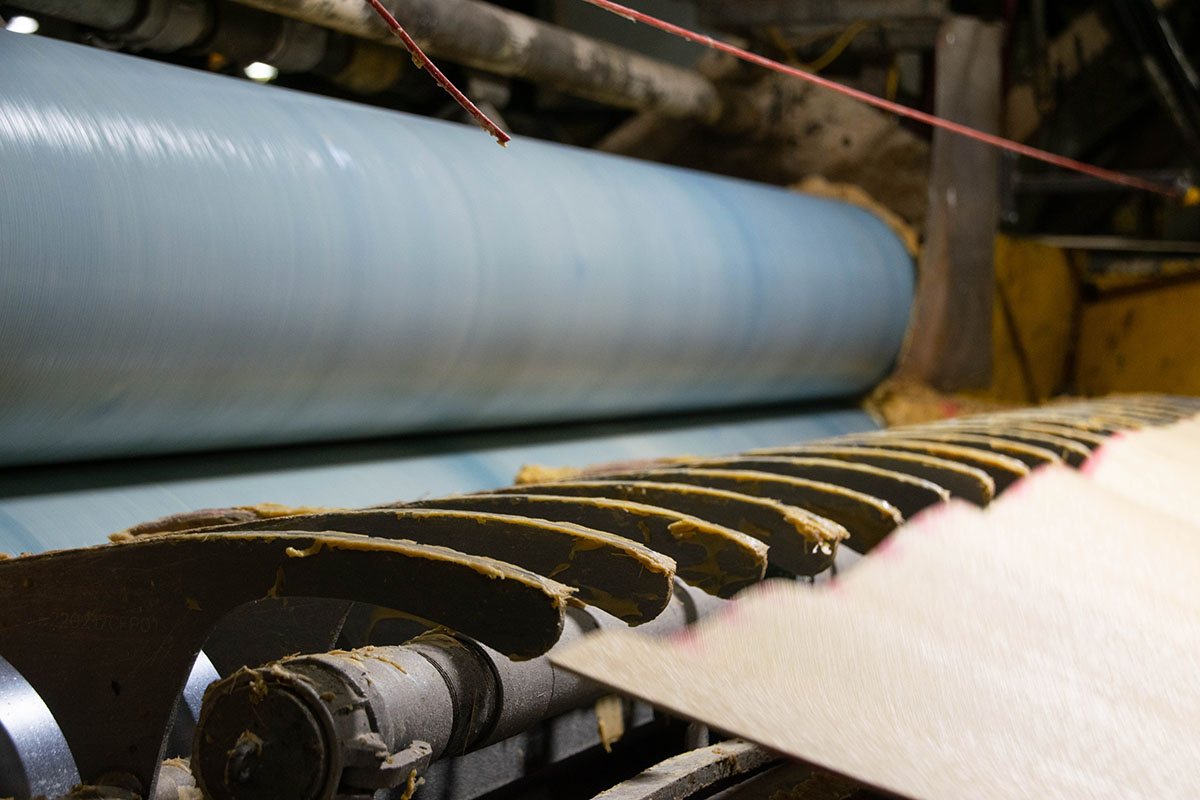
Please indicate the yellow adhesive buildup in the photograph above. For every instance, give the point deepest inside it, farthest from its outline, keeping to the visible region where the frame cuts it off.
(537, 473)
(278, 585)
(311, 550)
(410, 788)
(610, 720)
(369, 652)
(267, 510)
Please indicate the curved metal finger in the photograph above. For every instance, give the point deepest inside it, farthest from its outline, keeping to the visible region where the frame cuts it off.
(1049, 438)
(868, 519)
(138, 612)
(210, 517)
(907, 493)
(1125, 408)
(1084, 438)
(1175, 407)
(1029, 455)
(712, 558)
(969, 483)
(800, 542)
(1003, 470)
(612, 573)
(1096, 421)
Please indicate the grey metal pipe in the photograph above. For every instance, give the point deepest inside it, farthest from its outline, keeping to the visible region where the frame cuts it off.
(165, 26)
(365, 718)
(490, 38)
(473, 33)
(105, 15)
(157, 25)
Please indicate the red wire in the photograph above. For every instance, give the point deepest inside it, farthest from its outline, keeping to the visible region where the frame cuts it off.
(423, 61)
(1131, 181)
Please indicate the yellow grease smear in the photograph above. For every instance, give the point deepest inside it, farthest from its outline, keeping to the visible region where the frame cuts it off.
(258, 684)
(815, 529)
(192, 603)
(268, 510)
(624, 608)
(369, 652)
(715, 538)
(311, 550)
(610, 720)
(537, 473)
(410, 788)
(278, 585)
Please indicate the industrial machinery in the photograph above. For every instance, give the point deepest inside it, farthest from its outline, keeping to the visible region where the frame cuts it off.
(299, 356)
(478, 588)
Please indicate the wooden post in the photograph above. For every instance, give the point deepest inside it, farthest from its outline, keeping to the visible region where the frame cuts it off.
(950, 341)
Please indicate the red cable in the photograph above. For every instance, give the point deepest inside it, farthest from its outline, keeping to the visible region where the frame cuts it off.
(1131, 181)
(422, 60)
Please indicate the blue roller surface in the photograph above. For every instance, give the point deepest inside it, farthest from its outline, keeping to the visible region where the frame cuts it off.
(190, 261)
(73, 506)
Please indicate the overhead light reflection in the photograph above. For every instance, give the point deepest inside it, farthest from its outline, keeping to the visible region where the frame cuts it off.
(263, 73)
(22, 25)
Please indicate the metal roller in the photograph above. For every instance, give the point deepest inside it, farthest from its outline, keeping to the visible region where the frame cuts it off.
(49, 508)
(192, 262)
(436, 695)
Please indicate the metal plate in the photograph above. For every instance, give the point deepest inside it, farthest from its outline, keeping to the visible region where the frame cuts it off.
(715, 559)
(622, 577)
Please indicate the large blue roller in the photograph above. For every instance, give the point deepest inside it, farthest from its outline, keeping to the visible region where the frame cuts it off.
(191, 261)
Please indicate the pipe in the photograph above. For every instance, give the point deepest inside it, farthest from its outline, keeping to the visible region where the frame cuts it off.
(339, 723)
(105, 15)
(472, 33)
(487, 37)
(237, 32)
(193, 261)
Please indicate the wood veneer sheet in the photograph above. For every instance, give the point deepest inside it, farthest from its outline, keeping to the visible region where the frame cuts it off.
(1048, 646)
(1154, 466)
